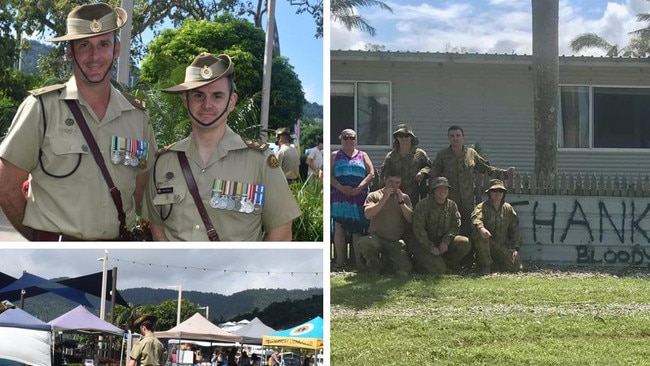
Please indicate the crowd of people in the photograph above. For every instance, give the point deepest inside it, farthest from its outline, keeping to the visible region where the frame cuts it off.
(425, 217)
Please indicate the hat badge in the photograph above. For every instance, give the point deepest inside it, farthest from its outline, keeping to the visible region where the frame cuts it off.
(206, 73)
(95, 26)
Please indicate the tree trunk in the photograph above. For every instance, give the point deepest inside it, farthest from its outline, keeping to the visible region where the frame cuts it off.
(545, 88)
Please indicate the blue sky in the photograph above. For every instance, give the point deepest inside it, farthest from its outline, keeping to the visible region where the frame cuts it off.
(487, 26)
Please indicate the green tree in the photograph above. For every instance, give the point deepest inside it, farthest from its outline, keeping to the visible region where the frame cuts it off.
(592, 40)
(344, 12)
(171, 52)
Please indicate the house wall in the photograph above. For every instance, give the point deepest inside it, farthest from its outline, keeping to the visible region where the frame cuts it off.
(594, 231)
(491, 97)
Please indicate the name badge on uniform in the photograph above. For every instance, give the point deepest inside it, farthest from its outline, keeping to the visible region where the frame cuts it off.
(129, 152)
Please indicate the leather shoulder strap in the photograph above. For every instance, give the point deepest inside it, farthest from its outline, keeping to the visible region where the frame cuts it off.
(194, 190)
(90, 140)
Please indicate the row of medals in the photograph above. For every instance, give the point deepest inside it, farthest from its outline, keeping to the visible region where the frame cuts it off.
(231, 203)
(126, 158)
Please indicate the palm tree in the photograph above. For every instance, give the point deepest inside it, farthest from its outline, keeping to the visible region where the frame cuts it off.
(592, 40)
(343, 11)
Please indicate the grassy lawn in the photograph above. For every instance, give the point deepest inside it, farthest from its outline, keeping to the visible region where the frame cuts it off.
(536, 318)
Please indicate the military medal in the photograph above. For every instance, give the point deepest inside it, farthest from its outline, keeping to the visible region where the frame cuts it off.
(116, 156)
(214, 202)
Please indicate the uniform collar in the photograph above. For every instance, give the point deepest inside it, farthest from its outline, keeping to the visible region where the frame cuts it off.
(117, 103)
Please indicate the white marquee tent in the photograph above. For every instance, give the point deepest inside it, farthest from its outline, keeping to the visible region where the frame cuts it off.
(25, 339)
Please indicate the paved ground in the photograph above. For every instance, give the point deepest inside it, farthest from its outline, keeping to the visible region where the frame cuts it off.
(7, 232)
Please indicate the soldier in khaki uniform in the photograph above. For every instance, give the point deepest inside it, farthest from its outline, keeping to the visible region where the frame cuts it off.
(390, 213)
(412, 162)
(239, 181)
(68, 198)
(458, 163)
(436, 223)
(496, 235)
(148, 351)
(288, 156)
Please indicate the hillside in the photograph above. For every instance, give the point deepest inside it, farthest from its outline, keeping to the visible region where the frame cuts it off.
(48, 306)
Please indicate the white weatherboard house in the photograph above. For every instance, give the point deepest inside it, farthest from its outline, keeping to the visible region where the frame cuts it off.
(597, 213)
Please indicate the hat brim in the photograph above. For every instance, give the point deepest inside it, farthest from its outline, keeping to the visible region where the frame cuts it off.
(143, 318)
(190, 85)
(121, 22)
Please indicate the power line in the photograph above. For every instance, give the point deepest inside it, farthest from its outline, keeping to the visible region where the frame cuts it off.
(205, 269)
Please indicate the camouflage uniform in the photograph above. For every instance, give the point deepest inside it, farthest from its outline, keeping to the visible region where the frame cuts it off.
(503, 224)
(408, 166)
(385, 245)
(460, 169)
(435, 224)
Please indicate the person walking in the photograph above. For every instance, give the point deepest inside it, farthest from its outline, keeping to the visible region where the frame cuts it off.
(148, 351)
(63, 134)
(214, 184)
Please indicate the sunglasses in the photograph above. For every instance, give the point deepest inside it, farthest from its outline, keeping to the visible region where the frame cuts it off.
(349, 137)
(402, 135)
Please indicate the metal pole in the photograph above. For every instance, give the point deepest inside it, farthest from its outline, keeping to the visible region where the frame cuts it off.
(102, 305)
(178, 311)
(268, 63)
(124, 60)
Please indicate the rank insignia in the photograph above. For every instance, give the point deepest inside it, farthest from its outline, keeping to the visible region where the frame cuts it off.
(272, 161)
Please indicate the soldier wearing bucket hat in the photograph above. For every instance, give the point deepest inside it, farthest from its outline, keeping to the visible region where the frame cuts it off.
(242, 191)
(496, 237)
(68, 197)
(412, 162)
(436, 225)
(288, 156)
(148, 351)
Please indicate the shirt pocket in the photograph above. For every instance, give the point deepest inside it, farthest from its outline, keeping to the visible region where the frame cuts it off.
(63, 156)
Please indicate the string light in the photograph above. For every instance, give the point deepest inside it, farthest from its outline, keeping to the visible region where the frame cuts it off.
(244, 271)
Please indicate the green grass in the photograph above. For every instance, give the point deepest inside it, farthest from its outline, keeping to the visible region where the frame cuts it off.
(548, 318)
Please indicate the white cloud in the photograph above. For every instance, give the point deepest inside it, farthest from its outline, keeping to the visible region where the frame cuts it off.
(500, 26)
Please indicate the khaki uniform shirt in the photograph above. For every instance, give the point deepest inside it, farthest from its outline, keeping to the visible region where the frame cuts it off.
(459, 170)
(168, 202)
(68, 193)
(289, 159)
(408, 165)
(434, 224)
(148, 351)
(502, 223)
(389, 223)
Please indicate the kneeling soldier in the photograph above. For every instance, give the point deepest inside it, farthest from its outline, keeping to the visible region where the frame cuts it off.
(496, 236)
(389, 211)
(436, 224)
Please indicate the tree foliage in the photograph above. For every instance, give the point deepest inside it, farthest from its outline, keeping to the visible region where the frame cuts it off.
(344, 12)
(174, 49)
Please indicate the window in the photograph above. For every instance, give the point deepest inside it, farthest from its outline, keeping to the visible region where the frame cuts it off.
(604, 117)
(364, 107)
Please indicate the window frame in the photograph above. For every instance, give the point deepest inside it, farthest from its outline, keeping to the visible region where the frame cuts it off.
(591, 147)
(389, 126)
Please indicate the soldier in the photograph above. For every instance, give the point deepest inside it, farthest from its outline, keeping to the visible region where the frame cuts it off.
(390, 213)
(148, 351)
(233, 188)
(287, 155)
(496, 235)
(69, 197)
(436, 224)
(458, 163)
(411, 161)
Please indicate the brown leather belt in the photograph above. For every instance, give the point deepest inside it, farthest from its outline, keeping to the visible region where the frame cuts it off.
(39, 235)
